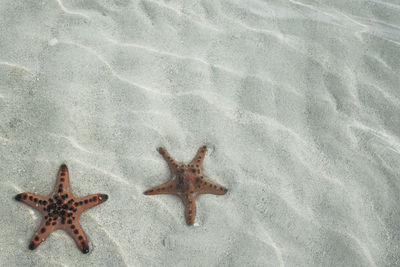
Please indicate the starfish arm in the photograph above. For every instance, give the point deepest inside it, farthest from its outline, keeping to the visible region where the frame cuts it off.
(36, 202)
(206, 187)
(62, 183)
(76, 232)
(199, 158)
(170, 187)
(91, 201)
(190, 207)
(172, 163)
(44, 230)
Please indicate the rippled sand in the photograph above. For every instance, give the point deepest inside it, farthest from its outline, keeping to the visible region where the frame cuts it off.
(298, 102)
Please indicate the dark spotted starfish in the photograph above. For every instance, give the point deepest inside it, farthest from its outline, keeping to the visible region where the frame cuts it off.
(61, 210)
(187, 182)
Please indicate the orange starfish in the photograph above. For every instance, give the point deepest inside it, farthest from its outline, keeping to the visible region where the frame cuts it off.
(61, 210)
(187, 182)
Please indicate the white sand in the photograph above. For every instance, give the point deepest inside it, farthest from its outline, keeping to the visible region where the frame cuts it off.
(298, 101)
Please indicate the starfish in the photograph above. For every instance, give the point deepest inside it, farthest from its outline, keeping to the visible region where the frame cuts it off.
(61, 210)
(187, 182)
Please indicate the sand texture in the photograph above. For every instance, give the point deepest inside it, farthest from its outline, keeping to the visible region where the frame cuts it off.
(297, 101)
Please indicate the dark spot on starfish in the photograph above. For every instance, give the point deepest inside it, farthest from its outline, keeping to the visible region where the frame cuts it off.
(62, 179)
(72, 226)
(30, 198)
(215, 186)
(65, 206)
(50, 200)
(191, 192)
(32, 246)
(80, 203)
(76, 232)
(36, 238)
(76, 204)
(47, 223)
(94, 198)
(40, 202)
(210, 185)
(18, 197)
(86, 201)
(43, 230)
(204, 147)
(163, 188)
(69, 221)
(44, 202)
(59, 202)
(85, 248)
(24, 196)
(104, 197)
(197, 165)
(59, 190)
(190, 211)
(80, 237)
(205, 183)
(54, 223)
(63, 166)
(190, 218)
(193, 170)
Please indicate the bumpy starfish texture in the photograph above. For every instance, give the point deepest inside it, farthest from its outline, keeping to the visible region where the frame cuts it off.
(187, 182)
(61, 210)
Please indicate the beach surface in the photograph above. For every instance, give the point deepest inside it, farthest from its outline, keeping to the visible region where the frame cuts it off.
(298, 103)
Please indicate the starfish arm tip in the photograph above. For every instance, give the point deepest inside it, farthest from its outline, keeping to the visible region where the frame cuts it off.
(104, 197)
(32, 246)
(18, 197)
(85, 249)
(63, 166)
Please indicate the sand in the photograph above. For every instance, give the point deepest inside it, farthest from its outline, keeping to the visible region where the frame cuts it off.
(298, 102)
